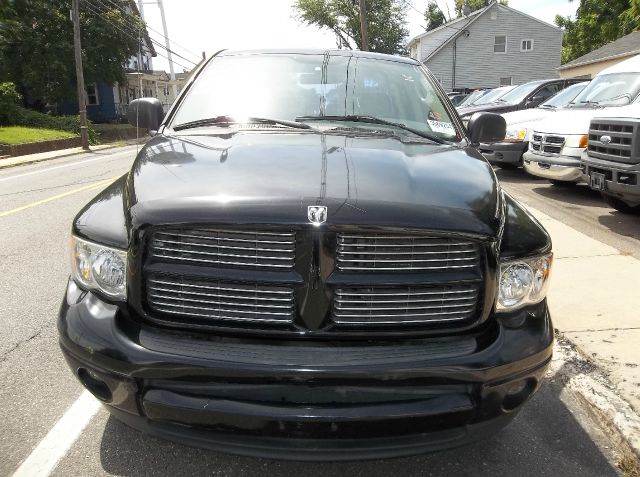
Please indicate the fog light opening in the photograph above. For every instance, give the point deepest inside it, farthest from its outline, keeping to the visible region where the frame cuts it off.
(517, 393)
(94, 384)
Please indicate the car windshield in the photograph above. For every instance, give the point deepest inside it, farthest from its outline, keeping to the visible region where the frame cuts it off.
(517, 94)
(473, 97)
(493, 95)
(564, 97)
(313, 88)
(616, 89)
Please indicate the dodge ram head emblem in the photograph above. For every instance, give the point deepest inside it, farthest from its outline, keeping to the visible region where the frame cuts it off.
(317, 214)
(605, 139)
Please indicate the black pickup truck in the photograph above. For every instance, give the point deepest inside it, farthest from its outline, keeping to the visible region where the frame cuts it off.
(309, 260)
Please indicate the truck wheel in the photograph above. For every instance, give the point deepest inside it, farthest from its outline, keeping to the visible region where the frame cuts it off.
(620, 206)
(562, 183)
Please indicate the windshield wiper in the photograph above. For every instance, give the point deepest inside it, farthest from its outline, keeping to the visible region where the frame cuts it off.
(373, 120)
(550, 106)
(228, 120)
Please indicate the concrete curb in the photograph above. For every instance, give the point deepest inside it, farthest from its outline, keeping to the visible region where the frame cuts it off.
(589, 384)
(25, 160)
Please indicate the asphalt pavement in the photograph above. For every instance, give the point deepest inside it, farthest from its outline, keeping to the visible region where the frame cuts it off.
(552, 436)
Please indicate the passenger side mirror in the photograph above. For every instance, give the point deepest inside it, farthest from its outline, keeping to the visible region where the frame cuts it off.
(486, 128)
(145, 113)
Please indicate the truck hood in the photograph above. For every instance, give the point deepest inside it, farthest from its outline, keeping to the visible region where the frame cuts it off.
(271, 177)
(576, 121)
(496, 107)
(527, 116)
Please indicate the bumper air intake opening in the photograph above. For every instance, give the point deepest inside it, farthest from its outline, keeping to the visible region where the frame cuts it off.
(517, 393)
(95, 385)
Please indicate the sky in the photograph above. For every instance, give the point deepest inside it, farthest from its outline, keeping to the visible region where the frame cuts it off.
(211, 25)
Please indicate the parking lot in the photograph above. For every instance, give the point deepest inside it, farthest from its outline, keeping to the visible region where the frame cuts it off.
(552, 436)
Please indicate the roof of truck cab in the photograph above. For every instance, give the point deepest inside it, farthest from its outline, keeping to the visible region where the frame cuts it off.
(331, 52)
(632, 65)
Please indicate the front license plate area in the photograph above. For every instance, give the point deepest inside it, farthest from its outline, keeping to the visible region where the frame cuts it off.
(597, 181)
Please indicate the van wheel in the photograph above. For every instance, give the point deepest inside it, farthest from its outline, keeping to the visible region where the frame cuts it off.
(562, 183)
(620, 205)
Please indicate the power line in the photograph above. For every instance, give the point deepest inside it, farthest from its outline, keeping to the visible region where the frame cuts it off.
(112, 2)
(106, 7)
(98, 12)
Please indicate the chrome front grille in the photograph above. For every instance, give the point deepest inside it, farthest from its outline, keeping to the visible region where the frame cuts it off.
(401, 253)
(405, 305)
(619, 143)
(546, 143)
(215, 301)
(261, 250)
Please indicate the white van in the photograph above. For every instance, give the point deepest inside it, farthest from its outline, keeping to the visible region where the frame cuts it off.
(557, 142)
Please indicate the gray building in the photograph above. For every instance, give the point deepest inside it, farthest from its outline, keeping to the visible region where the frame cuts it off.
(494, 46)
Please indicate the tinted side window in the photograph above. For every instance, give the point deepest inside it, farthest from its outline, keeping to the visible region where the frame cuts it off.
(547, 91)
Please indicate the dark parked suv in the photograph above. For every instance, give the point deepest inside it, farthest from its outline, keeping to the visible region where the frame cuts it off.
(612, 165)
(528, 95)
(309, 260)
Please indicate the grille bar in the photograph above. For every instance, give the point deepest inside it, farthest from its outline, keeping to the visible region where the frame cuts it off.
(372, 306)
(620, 146)
(258, 250)
(379, 252)
(220, 302)
(549, 144)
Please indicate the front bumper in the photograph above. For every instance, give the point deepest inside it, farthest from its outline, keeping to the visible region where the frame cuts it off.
(560, 168)
(504, 152)
(620, 180)
(306, 401)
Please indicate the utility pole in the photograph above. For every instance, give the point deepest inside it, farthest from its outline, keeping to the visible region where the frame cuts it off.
(363, 26)
(168, 45)
(82, 99)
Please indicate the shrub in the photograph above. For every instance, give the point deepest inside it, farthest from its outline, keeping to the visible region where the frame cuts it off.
(35, 119)
(9, 101)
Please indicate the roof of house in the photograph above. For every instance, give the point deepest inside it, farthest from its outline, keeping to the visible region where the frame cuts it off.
(457, 26)
(147, 38)
(625, 46)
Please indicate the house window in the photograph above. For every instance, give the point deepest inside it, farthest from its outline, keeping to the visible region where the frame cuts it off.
(506, 81)
(92, 94)
(526, 45)
(500, 44)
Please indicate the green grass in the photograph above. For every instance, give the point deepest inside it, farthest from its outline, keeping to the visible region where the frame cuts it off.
(21, 135)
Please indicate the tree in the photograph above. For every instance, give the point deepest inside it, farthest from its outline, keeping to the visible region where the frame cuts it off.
(474, 5)
(597, 23)
(433, 16)
(36, 45)
(386, 21)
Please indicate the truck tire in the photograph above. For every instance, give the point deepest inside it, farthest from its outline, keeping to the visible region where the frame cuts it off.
(620, 206)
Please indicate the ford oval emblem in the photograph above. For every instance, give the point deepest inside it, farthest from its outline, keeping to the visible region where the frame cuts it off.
(605, 139)
(317, 214)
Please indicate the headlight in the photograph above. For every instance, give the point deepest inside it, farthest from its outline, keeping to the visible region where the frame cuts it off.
(523, 282)
(516, 135)
(96, 267)
(575, 140)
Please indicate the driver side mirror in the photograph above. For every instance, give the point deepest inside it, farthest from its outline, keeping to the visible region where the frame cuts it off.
(486, 128)
(145, 113)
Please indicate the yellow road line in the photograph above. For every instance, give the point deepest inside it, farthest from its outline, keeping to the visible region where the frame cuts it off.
(95, 185)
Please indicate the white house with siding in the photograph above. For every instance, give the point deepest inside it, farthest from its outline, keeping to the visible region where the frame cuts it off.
(494, 46)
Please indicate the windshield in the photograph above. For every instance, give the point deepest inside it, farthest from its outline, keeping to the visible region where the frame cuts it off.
(290, 86)
(493, 95)
(517, 94)
(616, 89)
(473, 97)
(561, 99)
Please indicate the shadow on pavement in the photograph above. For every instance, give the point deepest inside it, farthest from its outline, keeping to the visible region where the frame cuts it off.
(545, 439)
